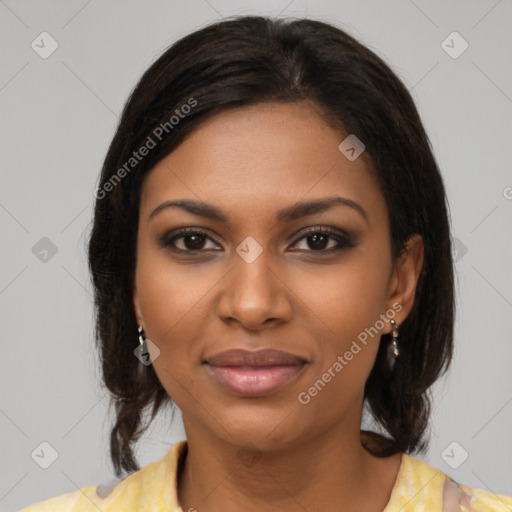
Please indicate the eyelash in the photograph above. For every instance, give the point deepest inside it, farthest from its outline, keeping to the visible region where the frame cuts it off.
(343, 239)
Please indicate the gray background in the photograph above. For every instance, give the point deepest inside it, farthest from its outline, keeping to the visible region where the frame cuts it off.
(58, 116)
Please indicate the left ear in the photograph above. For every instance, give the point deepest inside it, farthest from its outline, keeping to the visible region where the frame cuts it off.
(402, 286)
(136, 306)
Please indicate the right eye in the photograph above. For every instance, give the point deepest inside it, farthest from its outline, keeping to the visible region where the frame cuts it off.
(187, 240)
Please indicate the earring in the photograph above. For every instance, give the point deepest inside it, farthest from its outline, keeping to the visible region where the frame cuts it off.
(393, 351)
(142, 352)
(142, 339)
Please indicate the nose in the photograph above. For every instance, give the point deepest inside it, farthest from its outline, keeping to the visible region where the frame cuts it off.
(254, 296)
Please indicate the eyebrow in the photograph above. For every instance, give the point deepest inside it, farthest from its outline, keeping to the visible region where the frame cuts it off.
(290, 213)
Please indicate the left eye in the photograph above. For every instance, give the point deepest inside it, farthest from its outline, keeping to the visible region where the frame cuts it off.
(324, 240)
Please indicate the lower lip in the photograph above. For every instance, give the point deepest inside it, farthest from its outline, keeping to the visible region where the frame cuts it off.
(255, 381)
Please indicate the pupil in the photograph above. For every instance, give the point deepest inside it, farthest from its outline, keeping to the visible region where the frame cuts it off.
(319, 241)
(195, 242)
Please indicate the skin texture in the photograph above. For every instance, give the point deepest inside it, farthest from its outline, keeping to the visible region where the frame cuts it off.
(260, 453)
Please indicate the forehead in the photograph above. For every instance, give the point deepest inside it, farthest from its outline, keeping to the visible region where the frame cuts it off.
(262, 157)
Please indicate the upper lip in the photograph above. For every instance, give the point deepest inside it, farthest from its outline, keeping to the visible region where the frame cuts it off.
(262, 357)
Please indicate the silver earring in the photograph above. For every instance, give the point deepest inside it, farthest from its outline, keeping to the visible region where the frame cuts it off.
(393, 351)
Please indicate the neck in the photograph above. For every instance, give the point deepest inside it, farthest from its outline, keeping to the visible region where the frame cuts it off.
(318, 473)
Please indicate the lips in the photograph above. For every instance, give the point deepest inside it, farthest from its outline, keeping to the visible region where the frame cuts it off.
(264, 357)
(253, 374)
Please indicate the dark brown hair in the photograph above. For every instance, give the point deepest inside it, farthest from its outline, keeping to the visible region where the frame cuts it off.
(244, 61)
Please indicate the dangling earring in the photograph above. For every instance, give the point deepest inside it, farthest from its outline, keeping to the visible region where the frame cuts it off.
(145, 345)
(142, 340)
(393, 351)
(141, 352)
(142, 335)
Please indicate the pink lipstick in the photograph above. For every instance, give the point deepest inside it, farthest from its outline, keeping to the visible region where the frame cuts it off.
(254, 374)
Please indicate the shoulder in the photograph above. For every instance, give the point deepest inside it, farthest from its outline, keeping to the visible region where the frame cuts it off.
(420, 486)
(147, 489)
(480, 500)
(68, 502)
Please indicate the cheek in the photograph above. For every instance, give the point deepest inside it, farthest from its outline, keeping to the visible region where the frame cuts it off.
(346, 304)
(170, 293)
(349, 308)
(348, 297)
(172, 303)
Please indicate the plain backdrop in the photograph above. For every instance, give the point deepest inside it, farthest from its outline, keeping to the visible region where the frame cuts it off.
(58, 116)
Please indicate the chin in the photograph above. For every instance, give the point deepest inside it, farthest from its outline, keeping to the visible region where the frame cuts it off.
(268, 428)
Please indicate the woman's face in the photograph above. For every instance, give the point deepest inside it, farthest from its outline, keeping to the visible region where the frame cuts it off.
(252, 276)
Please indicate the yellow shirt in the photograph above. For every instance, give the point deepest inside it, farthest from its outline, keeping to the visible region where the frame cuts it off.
(418, 487)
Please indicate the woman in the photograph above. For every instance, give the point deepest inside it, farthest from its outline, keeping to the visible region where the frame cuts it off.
(272, 226)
